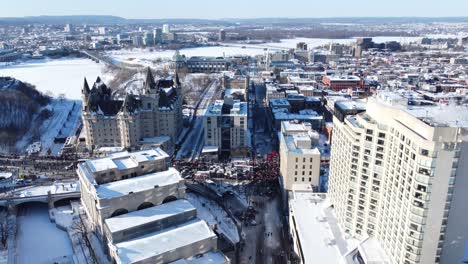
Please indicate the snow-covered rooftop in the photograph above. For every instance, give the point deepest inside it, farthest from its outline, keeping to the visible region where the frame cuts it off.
(317, 228)
(148, 215)
(212, 257)
(343, 78)
(159, 242)
(138, 184)
(351, 104)
(450, 115)
(125, 160)
(216, 109)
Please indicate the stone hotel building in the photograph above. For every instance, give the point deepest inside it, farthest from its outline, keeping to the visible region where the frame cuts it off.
(154, 116)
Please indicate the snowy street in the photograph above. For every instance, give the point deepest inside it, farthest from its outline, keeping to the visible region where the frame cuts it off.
(214, 214)
(193, 144)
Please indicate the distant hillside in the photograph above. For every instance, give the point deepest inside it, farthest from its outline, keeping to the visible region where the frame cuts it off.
(63, 20)
(95, 19)
(19, 102)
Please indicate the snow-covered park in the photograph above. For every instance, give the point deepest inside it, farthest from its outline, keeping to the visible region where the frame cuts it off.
(64, 120)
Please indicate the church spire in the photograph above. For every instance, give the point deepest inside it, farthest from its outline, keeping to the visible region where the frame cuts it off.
(177, 80)
(85, 89)
(149, 82)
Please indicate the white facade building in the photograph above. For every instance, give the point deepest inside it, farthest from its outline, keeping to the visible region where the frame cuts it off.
(226, 126)
(135, 205)
(398, 172)
(317, 237)
(299, 155)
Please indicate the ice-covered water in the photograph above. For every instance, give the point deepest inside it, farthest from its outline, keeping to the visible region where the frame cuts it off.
(38, 239)
(56, 76)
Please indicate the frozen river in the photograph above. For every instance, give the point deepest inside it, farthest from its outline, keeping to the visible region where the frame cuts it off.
(39, 241)
(55, 76)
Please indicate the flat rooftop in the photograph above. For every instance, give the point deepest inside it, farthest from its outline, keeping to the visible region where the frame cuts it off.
(351, 105)
(148, 215)
(216, 109)
(294, 143)
(211, 257)
(157, 243)
(344, 78)
(438, 115)
(317, 228)
(138, 184)
(124, 160)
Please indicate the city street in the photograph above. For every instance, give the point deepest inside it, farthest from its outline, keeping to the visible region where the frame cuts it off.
(262, 142)
(193, 143)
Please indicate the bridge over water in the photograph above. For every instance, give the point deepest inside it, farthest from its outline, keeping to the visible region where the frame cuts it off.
(49, 194)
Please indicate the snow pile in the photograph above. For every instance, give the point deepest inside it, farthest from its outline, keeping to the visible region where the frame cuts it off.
(212, 213)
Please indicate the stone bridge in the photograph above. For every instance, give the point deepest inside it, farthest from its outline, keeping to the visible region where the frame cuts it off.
(50, 194)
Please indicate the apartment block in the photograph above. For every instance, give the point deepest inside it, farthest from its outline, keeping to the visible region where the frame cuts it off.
(398, 173)
(226, 126)
(299, 155)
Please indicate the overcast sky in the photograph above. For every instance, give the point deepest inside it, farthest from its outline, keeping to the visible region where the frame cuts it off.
(235, 8)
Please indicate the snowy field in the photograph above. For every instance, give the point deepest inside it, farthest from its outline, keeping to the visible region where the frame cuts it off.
(55, 76)
(38, 239)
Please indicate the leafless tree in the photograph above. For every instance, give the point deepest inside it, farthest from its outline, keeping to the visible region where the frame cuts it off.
(7, 227)
(78, 227)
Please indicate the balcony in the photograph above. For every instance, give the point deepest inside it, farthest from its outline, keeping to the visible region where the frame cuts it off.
(415, 243)
(417, 219)
(421, 212)
(423, 179)
(421, 196)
